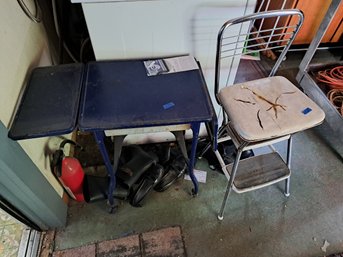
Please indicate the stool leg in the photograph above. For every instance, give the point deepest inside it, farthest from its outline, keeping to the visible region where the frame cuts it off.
(227, 192)
(287, 182)
(232, 178)
(289, 155)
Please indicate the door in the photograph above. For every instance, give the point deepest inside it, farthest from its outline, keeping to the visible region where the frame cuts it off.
(25, 188)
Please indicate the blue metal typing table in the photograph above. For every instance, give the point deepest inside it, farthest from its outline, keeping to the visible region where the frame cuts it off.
(116, 95)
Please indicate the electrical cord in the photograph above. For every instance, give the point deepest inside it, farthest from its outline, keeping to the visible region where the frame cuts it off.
(57, 28)
(332, 77)
(336, 98)
(34, 17)
(82, 48)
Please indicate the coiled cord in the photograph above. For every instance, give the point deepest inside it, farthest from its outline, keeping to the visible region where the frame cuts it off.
(336, 98)
(333, 78)
(34, 17)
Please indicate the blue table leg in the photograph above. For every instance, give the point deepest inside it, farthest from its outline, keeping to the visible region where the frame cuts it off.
(99, 137)
(195, 126)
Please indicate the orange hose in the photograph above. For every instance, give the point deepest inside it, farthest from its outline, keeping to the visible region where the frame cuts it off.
(336, 98)
(332, 77)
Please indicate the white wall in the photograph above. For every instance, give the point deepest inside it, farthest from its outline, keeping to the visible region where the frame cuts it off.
(23, 47)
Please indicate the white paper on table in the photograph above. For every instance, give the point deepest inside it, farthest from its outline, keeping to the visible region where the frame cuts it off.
(170, 65)
(181, 63)
(199, 174)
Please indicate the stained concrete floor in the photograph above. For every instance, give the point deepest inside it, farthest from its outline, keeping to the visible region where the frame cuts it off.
(259, 223)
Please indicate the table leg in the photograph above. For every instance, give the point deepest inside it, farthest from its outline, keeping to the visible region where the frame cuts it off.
(118, 145)
(195, 126)
(99, 137)
(180, 138)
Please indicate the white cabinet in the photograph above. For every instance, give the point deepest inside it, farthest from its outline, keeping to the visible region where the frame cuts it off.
(160, 28)
(135, 29)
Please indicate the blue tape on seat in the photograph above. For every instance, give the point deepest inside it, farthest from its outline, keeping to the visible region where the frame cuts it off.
(306, 110)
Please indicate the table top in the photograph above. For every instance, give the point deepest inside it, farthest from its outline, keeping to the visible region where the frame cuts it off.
(120, 94)
(108, 95)
(50, 102)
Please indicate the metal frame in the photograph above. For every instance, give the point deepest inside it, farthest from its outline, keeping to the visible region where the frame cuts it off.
(274, 40)
(118, 143)
(29, 243)
(252, 18)
(318, 38)
(332, 129)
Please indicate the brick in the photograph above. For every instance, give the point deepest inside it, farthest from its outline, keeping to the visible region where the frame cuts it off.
(166, 242)
(84, 251)
(123, 247)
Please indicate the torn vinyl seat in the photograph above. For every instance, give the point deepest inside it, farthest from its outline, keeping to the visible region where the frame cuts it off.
(261, 112)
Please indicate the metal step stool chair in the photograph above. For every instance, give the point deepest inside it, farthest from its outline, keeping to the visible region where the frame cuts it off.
(261, 112)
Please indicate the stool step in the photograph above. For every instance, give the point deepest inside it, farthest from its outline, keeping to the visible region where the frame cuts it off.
(259, 171)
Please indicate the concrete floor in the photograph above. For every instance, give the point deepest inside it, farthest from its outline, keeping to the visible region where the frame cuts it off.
(259, 223)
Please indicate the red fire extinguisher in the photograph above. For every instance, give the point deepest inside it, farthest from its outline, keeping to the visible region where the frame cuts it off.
(68, 171)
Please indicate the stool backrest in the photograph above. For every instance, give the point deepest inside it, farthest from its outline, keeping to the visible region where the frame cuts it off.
(269, 30)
